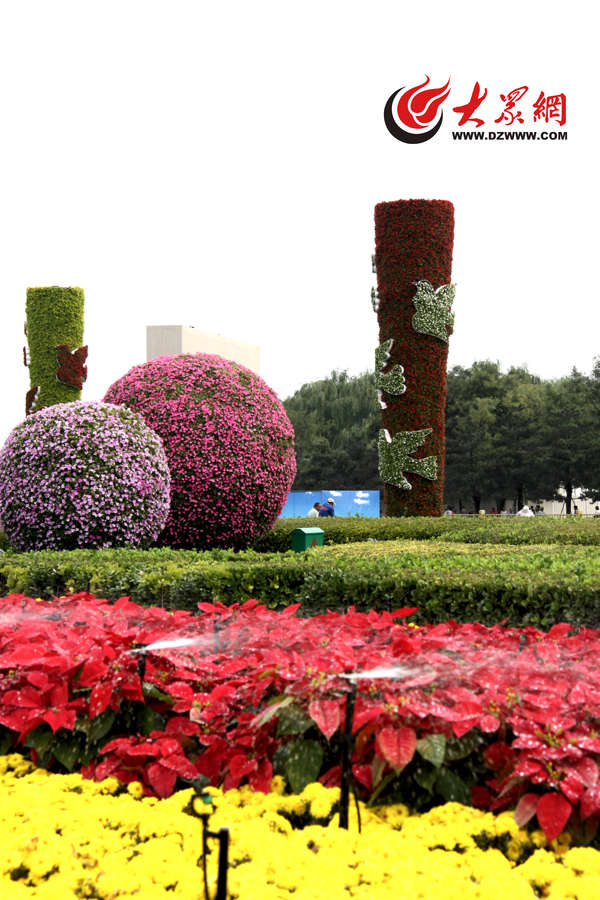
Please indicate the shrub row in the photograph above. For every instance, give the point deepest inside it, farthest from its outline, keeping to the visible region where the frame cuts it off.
(538, 585)
(484, 530)
(481, 530)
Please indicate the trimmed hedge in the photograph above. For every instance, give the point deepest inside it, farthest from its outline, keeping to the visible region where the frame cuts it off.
(537, 585)
(478, 530)
(54, 317)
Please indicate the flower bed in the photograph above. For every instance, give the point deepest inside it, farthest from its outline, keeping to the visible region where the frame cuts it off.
(496, 717)
(67, 838)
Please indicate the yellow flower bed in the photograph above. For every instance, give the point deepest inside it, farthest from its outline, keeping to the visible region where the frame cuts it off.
(64, 838)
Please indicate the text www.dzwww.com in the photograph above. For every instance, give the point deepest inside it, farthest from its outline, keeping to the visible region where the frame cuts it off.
(509, 135)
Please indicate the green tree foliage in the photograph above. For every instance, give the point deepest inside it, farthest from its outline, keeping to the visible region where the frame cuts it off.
(336, 422)
(511, 435)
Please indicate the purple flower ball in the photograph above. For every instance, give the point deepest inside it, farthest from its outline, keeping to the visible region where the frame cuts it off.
(83, 475)
(228, 440)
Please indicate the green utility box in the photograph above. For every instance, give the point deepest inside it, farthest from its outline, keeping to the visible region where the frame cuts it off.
(305, 538)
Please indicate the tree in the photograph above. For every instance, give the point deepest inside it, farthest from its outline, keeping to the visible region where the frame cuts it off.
(571, 434)
(493, 422)
(517, 454)
(336, 422)
(472, 397)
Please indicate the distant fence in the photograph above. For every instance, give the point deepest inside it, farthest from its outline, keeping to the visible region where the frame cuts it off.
(544, 515)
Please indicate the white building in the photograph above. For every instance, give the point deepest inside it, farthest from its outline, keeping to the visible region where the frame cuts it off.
(172, 340)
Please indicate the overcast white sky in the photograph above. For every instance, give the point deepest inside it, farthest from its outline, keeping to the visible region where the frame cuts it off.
(217, 165)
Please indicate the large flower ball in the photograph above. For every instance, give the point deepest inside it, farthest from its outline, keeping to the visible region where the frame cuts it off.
(83, 475)
(228, 440)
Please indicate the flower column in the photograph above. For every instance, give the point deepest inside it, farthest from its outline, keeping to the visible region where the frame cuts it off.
(54, 331)
(413, 259)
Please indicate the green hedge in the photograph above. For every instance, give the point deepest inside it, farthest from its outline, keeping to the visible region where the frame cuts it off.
(479, 530)
(537, 584)
(462, 529)
(54, 316)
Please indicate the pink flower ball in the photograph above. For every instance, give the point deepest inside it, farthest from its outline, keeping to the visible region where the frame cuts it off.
(228, 441)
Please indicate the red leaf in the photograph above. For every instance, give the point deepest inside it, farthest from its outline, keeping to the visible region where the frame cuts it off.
(209, 764)
(364, 775)
(179, 689)
(223, 692)
(559, 631)
(167, 745)
(586, 771)
(365, 715)
(553, 811)
(572, 788)
(104, 769)
(526, 768)
(289, 611)
(161, 779)
(404, 611)
(181, 725)
(27, 698)
(260, 779)
(181, 765)
(480, 797)
(62, 718)
(461, 728)
(116, 744)
(144, 749)
(91, 672)
(590, 802)
(489, 724)
(497, 756)
(326, 713)
(100, 698)
(249, 604)
(332, 778)
(397, 745)
(240, 765)
(526, 809)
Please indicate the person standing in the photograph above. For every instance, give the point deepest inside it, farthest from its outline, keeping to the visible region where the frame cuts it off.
(314, 512)
(327, 509)
(526, 512)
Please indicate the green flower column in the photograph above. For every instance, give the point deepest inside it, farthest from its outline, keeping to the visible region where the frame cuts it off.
(54, 330)
(413, 261)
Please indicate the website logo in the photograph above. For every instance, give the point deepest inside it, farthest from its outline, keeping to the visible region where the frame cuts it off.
(413, 115)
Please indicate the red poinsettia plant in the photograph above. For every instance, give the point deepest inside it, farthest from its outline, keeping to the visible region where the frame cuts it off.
(498, 717)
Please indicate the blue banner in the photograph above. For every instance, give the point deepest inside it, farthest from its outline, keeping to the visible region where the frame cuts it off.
(346, 503)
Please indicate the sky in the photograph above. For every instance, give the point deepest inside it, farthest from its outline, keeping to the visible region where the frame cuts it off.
(218, 165)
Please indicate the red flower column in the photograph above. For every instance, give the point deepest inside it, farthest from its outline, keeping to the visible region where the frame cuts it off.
(413, 242)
